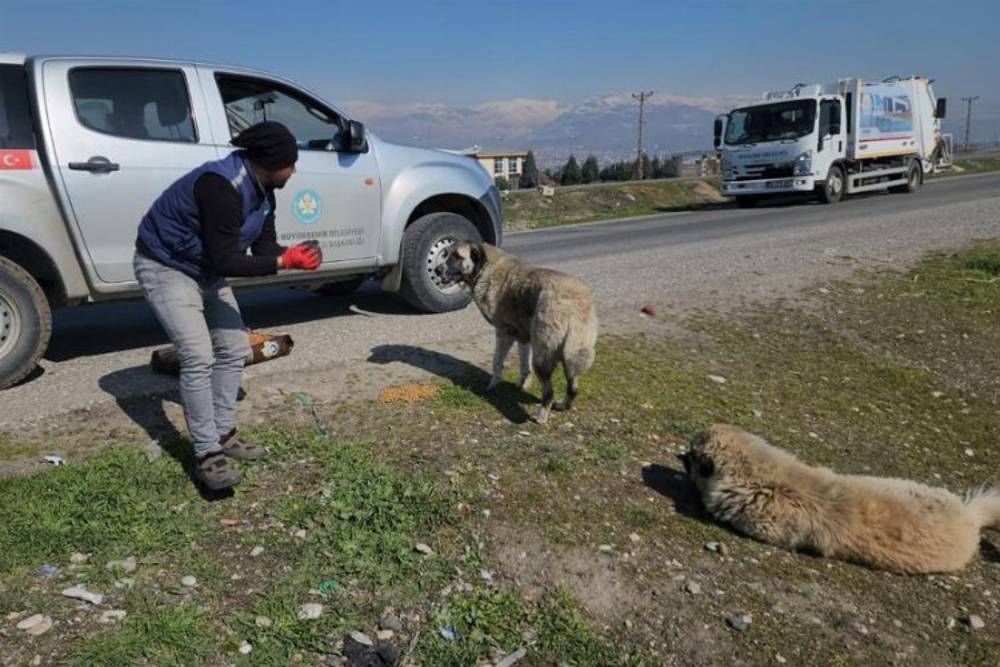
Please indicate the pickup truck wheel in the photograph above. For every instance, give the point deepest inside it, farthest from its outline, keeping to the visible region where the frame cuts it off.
(914, 179)
(832, 189)
(25, 323)
(423, 244)
(342, 287)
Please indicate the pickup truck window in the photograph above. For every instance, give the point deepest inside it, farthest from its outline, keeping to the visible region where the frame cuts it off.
(134, 103)
(251, 101)
(15, 116)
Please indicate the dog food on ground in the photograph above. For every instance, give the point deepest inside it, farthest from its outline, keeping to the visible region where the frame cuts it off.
(408, 393)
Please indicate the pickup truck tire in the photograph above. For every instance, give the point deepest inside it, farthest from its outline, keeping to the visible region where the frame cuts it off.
(342, 287)
(25, 323)
(747, 201)
(423, 242)
(914, 179)
(832, 189)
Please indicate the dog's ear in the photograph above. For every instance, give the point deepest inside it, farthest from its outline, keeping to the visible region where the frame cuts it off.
(477, 253)
(685, 459)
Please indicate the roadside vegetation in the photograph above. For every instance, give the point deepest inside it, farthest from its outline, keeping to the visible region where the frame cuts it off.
(609, 199)
(452, 531)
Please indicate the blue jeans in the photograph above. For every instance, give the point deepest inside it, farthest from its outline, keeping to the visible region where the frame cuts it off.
(204, 324)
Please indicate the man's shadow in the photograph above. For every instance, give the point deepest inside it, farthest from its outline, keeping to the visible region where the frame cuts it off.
(148, 412)
(506, 398)
(679, 488)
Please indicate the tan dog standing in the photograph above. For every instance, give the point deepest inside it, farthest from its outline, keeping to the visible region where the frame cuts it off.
(549, 314)
(885, 523)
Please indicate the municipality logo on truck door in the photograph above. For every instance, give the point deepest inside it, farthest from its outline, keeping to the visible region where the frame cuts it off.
(307, 207)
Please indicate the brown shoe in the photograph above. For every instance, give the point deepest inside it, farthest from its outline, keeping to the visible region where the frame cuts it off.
(216, 472)
(235, 448)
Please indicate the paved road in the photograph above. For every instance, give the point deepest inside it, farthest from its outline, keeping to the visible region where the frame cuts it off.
(100, 353)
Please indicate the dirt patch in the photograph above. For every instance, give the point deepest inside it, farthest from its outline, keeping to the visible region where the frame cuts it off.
(708, 193)
(539, 568)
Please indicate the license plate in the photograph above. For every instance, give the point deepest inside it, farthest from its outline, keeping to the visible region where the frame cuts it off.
(779, 184)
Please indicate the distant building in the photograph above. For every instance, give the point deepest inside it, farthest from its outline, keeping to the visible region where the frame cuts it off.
(696, 165)
(508, 164)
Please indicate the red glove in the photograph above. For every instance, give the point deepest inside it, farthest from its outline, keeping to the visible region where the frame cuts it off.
(306, 256)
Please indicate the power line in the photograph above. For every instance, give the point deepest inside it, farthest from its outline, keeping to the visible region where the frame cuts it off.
(641, 98)
(968, 118)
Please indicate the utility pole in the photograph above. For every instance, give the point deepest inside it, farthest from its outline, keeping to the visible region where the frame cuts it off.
(968, 118)
(641, 98)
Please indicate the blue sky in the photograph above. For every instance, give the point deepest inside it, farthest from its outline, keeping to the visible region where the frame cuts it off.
(467, 52)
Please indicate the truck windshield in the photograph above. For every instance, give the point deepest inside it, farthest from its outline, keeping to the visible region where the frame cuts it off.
(771, 122)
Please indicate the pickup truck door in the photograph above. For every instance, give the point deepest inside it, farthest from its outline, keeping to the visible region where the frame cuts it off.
(121, 134)
(334, 196)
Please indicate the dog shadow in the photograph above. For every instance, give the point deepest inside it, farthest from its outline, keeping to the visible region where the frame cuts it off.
(148, 412)
(990, 551)
(507, 398)
(678, 488)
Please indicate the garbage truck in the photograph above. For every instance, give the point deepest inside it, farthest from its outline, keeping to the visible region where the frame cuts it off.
(833, 140)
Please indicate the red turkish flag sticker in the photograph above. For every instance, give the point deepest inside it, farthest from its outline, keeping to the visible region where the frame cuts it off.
(19, 159)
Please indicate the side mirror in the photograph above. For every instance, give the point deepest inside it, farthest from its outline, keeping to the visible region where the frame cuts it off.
(717, 127)
(942, 108)
(354, 139)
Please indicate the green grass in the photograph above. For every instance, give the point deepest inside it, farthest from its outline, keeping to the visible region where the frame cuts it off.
(115, 505)
(983, 257)
(890, 373)
(528, 209)
(938, 316)
(366, 517)
(12, 448)
(457, 396)
(362, 520)
(361, 517)
(156, 635)
(489, 624)
(871, 365)
(973, 165)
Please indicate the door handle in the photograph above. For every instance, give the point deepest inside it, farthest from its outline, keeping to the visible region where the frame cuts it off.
(97, 164)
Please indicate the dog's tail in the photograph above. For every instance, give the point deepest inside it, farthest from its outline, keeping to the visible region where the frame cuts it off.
(985, 504)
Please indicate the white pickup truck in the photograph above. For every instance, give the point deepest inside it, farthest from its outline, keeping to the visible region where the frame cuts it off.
(87, 144)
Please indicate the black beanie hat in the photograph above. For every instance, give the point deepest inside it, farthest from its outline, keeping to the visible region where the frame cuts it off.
(269, 145)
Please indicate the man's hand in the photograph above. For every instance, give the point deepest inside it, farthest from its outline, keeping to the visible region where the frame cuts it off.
(307, 256)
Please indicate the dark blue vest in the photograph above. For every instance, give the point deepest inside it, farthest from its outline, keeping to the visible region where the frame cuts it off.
(171, 229)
